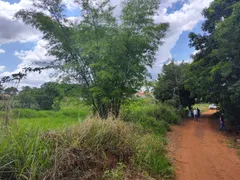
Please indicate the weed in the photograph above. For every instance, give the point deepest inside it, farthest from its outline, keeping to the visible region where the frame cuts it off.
(116, 174)
(23, 155)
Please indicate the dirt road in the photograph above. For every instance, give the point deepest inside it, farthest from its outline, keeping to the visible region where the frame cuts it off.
(200, 152)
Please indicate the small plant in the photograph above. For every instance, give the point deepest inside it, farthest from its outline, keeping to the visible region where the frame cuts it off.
(116, 174)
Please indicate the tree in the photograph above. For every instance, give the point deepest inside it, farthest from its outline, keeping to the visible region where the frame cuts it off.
(216, 67)
(46, 95)
(27, 98)
(170, 86)
(108, 56)
(11, 91)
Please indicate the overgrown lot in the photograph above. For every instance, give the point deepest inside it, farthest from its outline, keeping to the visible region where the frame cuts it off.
(129, 147)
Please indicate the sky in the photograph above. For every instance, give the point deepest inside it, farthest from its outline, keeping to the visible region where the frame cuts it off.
(22, 45)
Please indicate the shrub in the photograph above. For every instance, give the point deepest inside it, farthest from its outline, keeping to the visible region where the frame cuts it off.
(153, 116)
(98, 145)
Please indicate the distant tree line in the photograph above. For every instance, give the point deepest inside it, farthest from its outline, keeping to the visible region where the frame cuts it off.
(47, 97)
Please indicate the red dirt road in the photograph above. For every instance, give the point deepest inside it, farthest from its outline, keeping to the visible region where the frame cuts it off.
(200, 152)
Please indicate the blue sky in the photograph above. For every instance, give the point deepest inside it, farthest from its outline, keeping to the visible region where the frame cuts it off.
(20, 44)
(175, 7)
(181, 50)
(8, 59)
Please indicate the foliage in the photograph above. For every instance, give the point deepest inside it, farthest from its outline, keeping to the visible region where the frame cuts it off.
(107, 55)
(150, 156)
(152, 116)
(11, 91)
(87, 149)
(47, 97)
(93, 149)
(214, 75)
(116, 174)
(170, 86)
(23, 154)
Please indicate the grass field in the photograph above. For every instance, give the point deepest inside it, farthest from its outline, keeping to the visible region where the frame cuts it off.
(71, 113)
(202, 106)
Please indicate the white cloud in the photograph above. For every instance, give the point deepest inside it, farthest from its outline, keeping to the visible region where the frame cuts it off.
(181, 20)
(2, 68)
(2, 51)
(70, 4)
(34, 79)
(12, 30)
(30, 58)
(37, 55)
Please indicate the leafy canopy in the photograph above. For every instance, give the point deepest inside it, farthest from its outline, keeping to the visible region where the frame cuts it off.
(170, 86)
(107, 55)
(216, 67)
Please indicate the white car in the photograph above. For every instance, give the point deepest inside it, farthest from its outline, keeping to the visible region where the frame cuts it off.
(212, 106)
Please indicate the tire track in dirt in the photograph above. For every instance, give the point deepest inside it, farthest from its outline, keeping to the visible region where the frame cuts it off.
(200, 152)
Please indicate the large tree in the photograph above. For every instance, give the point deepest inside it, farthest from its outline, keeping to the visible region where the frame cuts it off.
(107, 55)
(215, 72)
(170, 86)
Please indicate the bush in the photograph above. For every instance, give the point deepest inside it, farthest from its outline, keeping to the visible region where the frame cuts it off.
(153, 116)
(92, 149)
(94, 145)
(98, 146)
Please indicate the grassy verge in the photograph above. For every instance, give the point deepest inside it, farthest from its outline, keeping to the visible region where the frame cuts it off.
(130, 147)
(234, 142)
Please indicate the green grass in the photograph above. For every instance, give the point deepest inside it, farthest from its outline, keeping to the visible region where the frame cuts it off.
(23, 154)
(153, 116)
(69, 115)
(92, 149)
(202, 106)
(48, 120)
(51, 123)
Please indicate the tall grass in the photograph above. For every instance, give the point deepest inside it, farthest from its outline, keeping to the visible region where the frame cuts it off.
(92, 149)
(23, 154)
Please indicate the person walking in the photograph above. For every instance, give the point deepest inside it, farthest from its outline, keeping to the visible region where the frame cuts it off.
(222, 123)
(195, 113)
(199, 113)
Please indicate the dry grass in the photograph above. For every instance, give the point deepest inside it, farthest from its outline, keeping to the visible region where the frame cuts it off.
(87, 150)
(94, 149)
